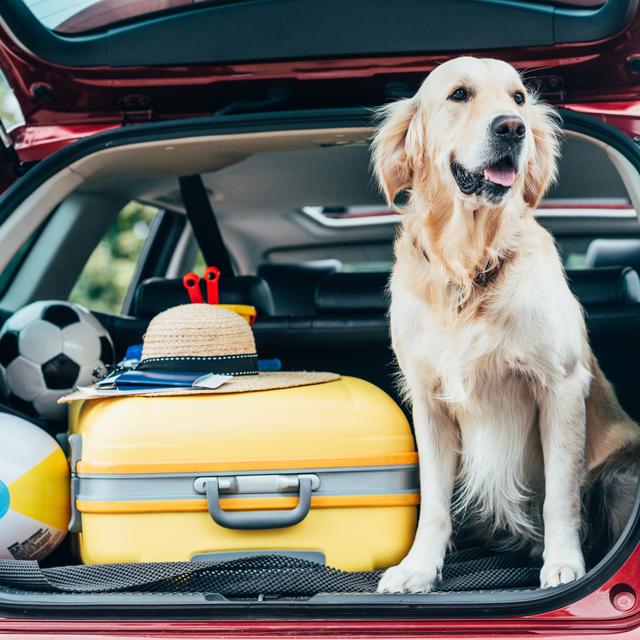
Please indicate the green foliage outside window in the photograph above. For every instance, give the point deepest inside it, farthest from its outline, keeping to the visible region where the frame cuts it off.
(10, 112)
(105, 279)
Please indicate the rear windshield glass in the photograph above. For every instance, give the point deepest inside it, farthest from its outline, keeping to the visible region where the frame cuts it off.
(78, 16)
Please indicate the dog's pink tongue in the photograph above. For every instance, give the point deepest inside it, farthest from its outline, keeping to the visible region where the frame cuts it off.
(505, 177)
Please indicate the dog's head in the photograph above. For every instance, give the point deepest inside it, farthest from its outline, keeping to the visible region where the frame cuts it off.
(473, 131)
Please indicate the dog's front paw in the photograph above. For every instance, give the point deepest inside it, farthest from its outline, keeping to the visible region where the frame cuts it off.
(556, 573)
(410, 576)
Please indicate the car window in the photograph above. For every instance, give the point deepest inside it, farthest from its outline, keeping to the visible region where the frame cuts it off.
(199, 264)
(8, 273)
(574, 261)
(105, 279)
(586, 252)
(368, 256)
(10, 111)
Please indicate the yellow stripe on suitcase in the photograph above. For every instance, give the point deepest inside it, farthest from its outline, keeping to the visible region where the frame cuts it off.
(240, 504)
(206, 466)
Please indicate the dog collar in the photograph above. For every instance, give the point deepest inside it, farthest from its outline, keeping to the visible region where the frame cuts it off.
(482, 278)
(485, 278)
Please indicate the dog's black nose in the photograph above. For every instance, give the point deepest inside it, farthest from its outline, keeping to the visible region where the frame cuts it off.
(509, 128)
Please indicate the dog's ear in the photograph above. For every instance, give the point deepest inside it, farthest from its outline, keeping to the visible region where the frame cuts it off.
(542, 168)
(394, 147)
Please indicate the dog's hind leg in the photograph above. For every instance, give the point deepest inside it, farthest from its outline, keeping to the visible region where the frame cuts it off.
(613, 463)
(436, 437)
(610, 496)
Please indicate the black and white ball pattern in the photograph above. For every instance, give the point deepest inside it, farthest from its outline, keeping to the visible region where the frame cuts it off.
(46, 349)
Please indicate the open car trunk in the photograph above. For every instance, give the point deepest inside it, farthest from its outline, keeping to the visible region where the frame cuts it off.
(478, 580)
(117, 63)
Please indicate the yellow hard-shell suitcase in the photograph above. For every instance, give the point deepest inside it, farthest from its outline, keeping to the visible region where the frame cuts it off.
(328, 470)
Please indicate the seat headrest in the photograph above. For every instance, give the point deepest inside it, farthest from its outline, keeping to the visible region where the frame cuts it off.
(283, 269)
(158, 294)
(605, 285)
(293, 285)
(614, 253)
(353, 293)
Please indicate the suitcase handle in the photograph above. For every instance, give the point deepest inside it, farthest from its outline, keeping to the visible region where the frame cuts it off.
(259, 519)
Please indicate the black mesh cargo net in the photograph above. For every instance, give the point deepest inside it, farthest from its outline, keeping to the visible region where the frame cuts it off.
(466, 570)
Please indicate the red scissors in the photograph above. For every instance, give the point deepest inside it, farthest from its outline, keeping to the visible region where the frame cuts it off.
(191, 282)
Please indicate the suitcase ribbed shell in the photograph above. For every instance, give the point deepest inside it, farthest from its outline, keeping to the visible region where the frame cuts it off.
(145, 468)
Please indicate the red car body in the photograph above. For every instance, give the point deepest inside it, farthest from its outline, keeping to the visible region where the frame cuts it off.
(62, 104)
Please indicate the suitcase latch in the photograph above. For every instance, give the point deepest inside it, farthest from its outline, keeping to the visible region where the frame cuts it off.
(213, 487)
(75, 451)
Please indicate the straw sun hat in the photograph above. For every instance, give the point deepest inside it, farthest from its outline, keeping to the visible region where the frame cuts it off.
(212, 339)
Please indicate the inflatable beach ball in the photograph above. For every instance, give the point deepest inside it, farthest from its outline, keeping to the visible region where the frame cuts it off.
(34, 491)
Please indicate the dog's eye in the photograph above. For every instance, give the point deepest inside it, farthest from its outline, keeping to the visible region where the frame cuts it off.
(518, 96)
(459, 95)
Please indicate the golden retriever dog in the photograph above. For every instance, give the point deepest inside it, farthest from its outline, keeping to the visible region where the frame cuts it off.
(509, 404)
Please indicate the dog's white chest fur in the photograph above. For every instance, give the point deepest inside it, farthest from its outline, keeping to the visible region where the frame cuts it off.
(486, 375)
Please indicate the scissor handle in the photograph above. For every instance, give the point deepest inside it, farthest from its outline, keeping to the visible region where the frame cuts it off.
(191, 282)
(211, 278)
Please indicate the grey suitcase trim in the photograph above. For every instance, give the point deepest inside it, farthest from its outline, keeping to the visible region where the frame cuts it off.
(343, 481)
(169, 487)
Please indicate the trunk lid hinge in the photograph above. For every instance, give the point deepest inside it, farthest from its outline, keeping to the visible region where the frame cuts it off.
(9, 151)
(136, 109)
(551, 88)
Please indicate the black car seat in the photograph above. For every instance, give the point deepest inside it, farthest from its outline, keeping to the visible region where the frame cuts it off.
(347, 333)
(293, 285)
(604, 252)
(350, 332)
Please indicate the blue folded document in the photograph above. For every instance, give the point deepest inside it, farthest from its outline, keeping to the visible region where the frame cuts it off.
(146, 380)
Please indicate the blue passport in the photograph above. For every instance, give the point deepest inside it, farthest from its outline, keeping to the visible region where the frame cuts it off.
(132, 380)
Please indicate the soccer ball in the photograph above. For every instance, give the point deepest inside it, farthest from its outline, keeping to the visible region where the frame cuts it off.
(46, 349)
